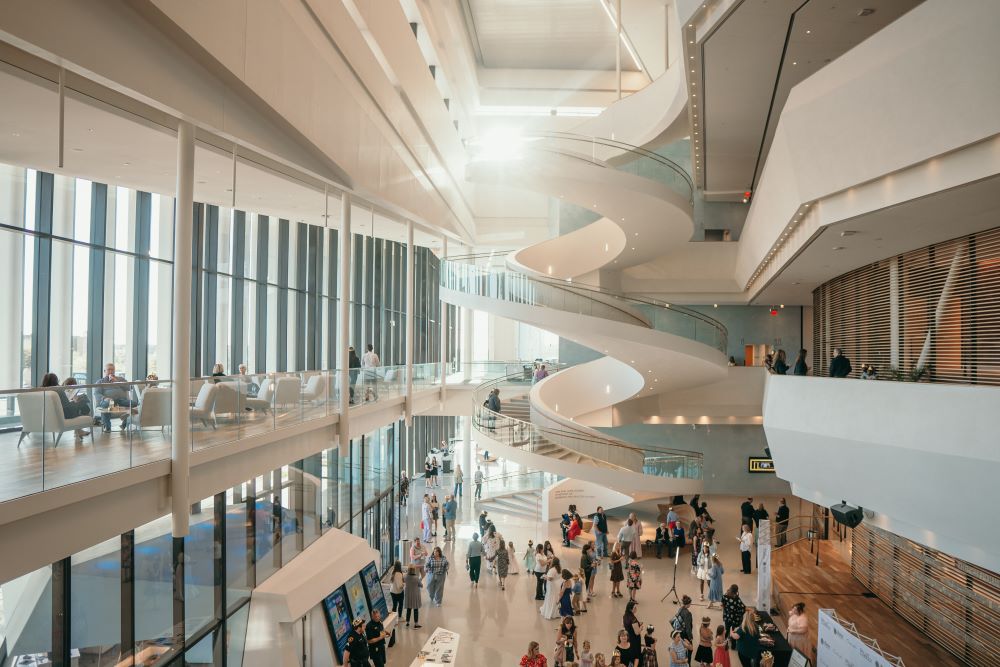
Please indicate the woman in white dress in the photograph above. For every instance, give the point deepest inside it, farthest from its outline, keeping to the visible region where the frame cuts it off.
(490, 546)
(512, 557)
(553, 578)
(637, 545)
(704, 567)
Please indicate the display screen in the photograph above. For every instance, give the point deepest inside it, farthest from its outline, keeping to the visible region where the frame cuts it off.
(760, 464)
(798, 660)
(376, 597)
(338, 618)
(356, 596)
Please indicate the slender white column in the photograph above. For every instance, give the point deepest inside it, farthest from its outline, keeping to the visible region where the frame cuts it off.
(344, 288)
(180, 450)
(410, 314)
(618, 47)
(444, 326)
(467, 343)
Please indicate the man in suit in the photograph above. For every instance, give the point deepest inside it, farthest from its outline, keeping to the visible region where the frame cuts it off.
(781, 516)
(747, 511)
(840, 366)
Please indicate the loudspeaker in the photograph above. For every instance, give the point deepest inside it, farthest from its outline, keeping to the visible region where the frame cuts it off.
(847, 515)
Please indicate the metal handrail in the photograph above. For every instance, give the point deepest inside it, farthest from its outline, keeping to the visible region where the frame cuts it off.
(545, 432)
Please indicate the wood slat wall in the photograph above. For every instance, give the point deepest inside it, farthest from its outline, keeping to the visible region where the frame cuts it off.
(949, 290)
(955, 603)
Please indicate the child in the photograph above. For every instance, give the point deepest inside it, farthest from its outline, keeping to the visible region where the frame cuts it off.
(586, 657)
(616, 661)
(529, 557)
(579, 605)
(599, 660)
(649, 649)
(721, 650)
(511, 559)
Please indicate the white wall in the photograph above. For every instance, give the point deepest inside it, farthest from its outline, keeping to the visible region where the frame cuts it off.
(923, 457)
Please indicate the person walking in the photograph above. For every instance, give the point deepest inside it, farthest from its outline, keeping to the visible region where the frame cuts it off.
(566, 593)
(715, 573)
(418, 555)
(502, 561)
(354, 367)
(437, 571)
(747, 637)
(425, 518)
(540, 567)
(600, 528)
(477, 478)
(450, 513)
(617, 575)
(512, 567)
(435, 513)
(634, 582)
(490, 547)
(412, 584)
(434, 471)
(428, 479)
(474, 559)
(396, 594)
(732, 609)
(459, 478)
(800, 367)
(553, 577)
(746, 544)
(703, 653)
(840, 366)
(781, 516)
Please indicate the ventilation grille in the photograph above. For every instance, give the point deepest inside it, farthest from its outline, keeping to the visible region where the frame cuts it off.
(937, 308)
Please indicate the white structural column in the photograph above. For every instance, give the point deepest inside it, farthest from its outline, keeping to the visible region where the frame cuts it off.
(444, 325)
(467, 344)
(618, 47)
(180, 451)
(410, 314)
(344, 322)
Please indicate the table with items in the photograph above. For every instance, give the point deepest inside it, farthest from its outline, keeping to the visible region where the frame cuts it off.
(772, 640)
(439, 650)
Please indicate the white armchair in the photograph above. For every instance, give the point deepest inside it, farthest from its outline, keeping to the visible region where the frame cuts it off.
(204, 405)
(229, 398)
(264, 397)
(287, 391)
(154, 410)
(316, 388)
(42, 412)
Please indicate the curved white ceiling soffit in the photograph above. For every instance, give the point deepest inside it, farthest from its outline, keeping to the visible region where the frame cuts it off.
(653, 217)
(571, 255)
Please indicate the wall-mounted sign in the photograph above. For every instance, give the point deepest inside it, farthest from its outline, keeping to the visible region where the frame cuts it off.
(760, 464)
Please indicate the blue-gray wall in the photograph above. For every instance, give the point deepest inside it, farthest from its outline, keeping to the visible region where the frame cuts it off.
(754, 325)
(725, 448)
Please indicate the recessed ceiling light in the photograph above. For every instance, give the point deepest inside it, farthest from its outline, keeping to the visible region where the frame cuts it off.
(838, 247)
(808, 32)
(77, 150)
(794, 63)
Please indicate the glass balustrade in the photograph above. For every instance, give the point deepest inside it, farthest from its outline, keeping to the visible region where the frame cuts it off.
(468, 276)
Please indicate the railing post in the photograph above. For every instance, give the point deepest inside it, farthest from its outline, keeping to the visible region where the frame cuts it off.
(180, 448)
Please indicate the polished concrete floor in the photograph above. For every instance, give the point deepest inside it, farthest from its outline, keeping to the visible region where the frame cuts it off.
(496, 626)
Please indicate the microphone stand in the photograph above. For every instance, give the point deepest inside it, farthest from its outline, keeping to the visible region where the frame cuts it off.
(673, 587)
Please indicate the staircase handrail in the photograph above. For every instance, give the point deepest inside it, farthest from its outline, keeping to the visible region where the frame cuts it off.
(450, 278)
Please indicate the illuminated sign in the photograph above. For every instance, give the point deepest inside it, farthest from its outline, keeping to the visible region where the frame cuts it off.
(760, 464)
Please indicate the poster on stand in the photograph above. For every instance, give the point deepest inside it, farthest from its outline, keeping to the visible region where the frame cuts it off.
(839, 647)
(764, 565)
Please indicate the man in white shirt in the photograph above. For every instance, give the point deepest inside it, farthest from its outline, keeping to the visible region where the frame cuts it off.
(478, 479)
(626, 536)
(746, 544)
(370, 362)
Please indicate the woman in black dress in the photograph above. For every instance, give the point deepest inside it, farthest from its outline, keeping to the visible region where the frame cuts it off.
(617, 575)
(732, 609)
(633, 627)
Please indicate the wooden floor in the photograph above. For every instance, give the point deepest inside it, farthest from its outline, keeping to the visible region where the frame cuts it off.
(831, 586)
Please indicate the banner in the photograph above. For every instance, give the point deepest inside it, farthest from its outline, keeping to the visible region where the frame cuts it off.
(838, 647)
(764, 565)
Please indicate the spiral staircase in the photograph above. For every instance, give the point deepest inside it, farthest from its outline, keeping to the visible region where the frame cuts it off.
(650, 346)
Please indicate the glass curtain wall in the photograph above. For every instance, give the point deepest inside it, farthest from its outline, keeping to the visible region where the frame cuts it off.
(116, 600)
(90, 274)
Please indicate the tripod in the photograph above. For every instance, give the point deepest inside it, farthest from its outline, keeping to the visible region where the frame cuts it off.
(673, 587)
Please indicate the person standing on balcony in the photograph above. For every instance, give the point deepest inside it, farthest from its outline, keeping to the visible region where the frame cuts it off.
(354, 366)
(760, 514)
(369, 363)
(541, 373)
(493, 404)
(781, 516)
(801, 367)
(780, 363)
(840, 366)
